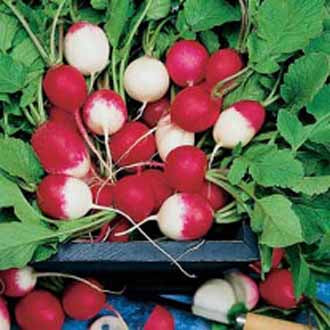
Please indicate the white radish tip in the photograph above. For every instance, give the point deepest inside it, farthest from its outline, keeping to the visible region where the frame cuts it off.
(107, 322)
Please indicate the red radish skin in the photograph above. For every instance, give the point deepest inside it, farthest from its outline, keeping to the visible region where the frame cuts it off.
(104, 112)
(216, 196)
(82, 302)
(64, 197)
(160, 319)
(134, 196)
(92, 176)
(185, 216)
(239, 124)
(18, 281)
(277, 257)
(186, 62)
(102, 194)
(65, 87)
(39, 310)
(223, 64)
(194, 110)
(4, 315)
(185, 168)
(119, 226)
(62, 117)
(61, 150)
(121, 144)
(154, 111)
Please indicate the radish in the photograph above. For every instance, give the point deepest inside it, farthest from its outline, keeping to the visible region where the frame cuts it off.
(216, 196)
(186, 62)
(4, 315)
(223, 64)
(185, 168)
(65, 87)
(64, 197)
(62, 117)
(91, 176)
(134, 143)
(238, 124)
(194, 110)
(39, 309)
(277, 257)
(60, 149)
(170, 136)
(86, 47)
(246, 290)
(119, 226)
(155, 111)
(102, 194)
(107, 322)
(160, 319)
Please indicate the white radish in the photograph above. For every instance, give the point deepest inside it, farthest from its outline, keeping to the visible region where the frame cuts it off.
(107, 322)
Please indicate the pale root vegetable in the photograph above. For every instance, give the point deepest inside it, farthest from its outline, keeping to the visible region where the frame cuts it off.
(216, 196)
(39, 309)
(246, 290)
(223, 64)
(4, 315)
(155, 111)
(194, 110)
(62, 117)
(60, 149)
(65, 87)
(186, 62)
(104, 112)
(160, 319)
(119, 226)
(146, 79)
(64, 197)
(86, 47)
(238, 124)
(185, 168)
(170, 136)
(107, 322)
(102, 194)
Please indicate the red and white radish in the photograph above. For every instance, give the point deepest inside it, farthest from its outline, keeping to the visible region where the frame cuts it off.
(4, 315)
(160, 319)
(194, 110)
(216, 196)
(39, 309)
(107, 322)
(185, 168)
(65, 87)
(64, 197)
(246, 290)
(239, 124)
(170, 136)
(61, 150)
(102, 194)
(186, 62)
(155, 111)
(62, 117)
(86, 47)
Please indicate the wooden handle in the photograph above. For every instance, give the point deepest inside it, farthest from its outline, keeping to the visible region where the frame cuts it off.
(260, 322)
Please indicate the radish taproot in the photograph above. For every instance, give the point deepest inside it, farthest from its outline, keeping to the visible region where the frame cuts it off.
(155, 111)
(216, 196)
(60, 149)
(170, 136)
(160, 319)
(39, 309)
(64, 197)
(185, 168)
(86, 47)
(186, 62)
(65, 87)
(102, 194)
(4, 315)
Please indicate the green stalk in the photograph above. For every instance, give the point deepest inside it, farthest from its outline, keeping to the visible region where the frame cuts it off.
(114, 71)
(35, 114)
(244, 26)
(152, 42)
(28, 117)
(41, 108)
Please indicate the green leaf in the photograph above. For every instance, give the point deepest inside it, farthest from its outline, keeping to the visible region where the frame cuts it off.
(25, 52)
(321, 133)
(8, 29)
(319, 44)
(238, 170)
(203, 15)
(12, 75)
(159, 9)
(211, 40)
(29, 93)
(18, 159)
(304, 79)
(99, 4)
(314, 185)
(319, 106)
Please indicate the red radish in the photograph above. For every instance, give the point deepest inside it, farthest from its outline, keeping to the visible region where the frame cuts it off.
(186, 62)
(239, 124)
(277, 257)
(185, 168)
(216, 196)
(91, 176)
(107, 322)
(62, 117)
(132, 144)
(86, 47)
(4, 315)
(82, 302)
(102, 194)
(18, 281)
(61, 150)
(170, 136)
(105, 112)
(161, 189)
(278, 290)
(39, 309)
(160, 319)
(64, 197)
(154, 111)
(246, 290)
(223, 64)
(194, 110)
(185, 216)
(119, 226)
(146, 79)
(65, 87)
